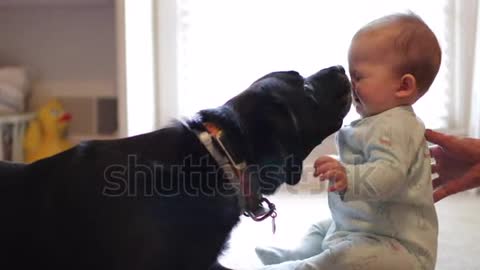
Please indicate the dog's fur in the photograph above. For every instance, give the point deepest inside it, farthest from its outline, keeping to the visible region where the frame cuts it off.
(158, 200)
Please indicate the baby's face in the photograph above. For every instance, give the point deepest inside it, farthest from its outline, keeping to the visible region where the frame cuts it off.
(374, 81)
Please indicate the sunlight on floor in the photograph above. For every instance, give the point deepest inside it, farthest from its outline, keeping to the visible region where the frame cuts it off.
(296, 211)
(459, 237)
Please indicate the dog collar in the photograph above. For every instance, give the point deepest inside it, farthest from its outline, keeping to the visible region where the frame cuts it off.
(250, 202)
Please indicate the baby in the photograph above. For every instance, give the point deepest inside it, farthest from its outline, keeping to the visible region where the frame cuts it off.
(380, 194)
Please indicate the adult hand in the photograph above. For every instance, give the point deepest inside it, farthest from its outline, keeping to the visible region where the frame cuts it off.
(457, 163)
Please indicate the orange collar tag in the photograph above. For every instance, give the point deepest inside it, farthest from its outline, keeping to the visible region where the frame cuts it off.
(217, 133)
(212, 129)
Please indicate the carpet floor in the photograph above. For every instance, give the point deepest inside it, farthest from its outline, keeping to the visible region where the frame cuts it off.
(459, 232)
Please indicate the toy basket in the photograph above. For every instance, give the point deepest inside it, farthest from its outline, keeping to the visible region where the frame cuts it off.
(12, 131)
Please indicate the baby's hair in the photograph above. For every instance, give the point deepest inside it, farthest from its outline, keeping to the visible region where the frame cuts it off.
(420, 51)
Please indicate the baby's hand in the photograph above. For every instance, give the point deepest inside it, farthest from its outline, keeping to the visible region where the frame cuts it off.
(330, 168)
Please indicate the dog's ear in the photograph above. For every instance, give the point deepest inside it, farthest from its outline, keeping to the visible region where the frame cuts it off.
(288, 140)
(280, 151)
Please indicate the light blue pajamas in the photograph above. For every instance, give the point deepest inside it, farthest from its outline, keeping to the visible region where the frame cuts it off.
(386, 218)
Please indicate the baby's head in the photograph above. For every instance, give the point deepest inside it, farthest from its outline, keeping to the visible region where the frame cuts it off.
(392, 61)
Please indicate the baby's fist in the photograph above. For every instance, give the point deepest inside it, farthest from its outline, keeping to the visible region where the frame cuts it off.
(329, 168)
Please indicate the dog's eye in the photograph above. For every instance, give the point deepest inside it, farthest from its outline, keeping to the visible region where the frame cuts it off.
(308, 87)
(310, 92)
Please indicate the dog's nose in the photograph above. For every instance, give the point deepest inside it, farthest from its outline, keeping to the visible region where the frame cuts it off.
(335, 69)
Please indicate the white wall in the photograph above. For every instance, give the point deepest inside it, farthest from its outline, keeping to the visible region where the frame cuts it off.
(68, 50)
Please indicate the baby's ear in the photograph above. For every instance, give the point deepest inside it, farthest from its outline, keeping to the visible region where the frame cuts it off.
(408, 87)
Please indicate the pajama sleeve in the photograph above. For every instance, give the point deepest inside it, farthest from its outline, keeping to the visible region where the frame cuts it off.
(389, 151)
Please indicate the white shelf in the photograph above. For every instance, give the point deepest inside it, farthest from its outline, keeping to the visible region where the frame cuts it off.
(73, 50)
(76, 88)
(55, 3)
(78, 138)
(14, 118)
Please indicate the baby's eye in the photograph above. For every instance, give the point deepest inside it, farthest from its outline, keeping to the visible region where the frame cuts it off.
(358, 77)
(355, 76)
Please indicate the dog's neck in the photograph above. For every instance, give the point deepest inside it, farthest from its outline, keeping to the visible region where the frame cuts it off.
(225, 143)
(228, 122)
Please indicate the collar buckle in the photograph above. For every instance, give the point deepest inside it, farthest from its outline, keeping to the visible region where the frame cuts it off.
(262, 212)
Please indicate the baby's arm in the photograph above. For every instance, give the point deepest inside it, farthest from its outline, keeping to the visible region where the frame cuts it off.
(389, 150)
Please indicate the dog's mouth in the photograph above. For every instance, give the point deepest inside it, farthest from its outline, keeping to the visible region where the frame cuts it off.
(345, 99)
(332, 99)
(331, 88)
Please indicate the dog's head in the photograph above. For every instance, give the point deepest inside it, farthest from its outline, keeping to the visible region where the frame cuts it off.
(284, 116)
(280, 118)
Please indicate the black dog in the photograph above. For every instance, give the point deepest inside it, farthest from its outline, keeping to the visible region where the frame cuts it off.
(168, 199)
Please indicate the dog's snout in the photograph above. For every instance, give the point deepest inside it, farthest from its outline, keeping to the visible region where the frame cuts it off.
(336, 69)
(328, 72)
(340, 68)
(333, 77)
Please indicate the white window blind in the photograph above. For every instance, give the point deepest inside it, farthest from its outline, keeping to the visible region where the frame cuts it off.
(224, 45)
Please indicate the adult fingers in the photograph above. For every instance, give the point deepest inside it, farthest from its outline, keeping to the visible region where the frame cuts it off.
(434, 168)
(468, 181)
(448, 189)
(441, 193)
(439, 138)
(465, 149)
(436, 151)
(438, 182)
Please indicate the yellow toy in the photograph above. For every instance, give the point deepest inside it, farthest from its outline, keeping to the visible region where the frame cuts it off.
(46, 134)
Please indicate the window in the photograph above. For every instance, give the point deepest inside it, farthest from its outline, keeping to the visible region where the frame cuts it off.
(224, 45)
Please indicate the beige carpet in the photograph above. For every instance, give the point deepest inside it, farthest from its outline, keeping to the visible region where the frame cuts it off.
(459, 239)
